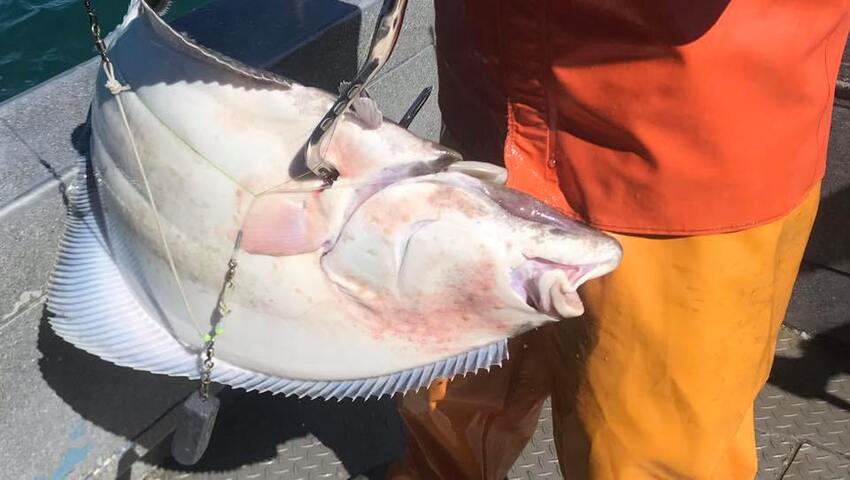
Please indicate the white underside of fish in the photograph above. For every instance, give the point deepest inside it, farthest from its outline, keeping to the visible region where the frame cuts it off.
(406, 270)
(88, 296)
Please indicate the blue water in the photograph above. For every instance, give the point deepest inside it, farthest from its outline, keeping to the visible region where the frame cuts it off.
(42, 38)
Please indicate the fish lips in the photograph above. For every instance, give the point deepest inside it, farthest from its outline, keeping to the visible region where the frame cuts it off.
(552, 288)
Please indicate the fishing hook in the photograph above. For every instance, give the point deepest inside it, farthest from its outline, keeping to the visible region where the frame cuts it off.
(383, 43)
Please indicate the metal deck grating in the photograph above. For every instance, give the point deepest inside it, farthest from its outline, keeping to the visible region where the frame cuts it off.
(802, 422)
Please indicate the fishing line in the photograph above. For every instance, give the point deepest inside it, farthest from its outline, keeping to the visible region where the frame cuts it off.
(200, 410)
(116, 88)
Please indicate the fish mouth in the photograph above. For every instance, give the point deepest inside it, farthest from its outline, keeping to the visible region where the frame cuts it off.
(551, 288)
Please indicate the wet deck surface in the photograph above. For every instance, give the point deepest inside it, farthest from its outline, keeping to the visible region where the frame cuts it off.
(802, 429)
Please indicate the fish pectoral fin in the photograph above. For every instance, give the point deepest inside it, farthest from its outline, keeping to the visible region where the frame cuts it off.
(364, 108)
(280, 226)
(367, 112)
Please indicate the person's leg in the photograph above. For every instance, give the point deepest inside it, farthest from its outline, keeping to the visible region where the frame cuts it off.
(475, 427)
(681, 340)
(685, 332)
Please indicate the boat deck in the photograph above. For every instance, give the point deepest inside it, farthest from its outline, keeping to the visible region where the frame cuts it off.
(67, 414)
(802, 430)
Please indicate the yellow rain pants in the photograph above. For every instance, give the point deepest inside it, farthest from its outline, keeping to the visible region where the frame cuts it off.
(656, 381)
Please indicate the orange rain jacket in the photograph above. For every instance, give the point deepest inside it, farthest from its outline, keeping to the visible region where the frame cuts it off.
(664, 116)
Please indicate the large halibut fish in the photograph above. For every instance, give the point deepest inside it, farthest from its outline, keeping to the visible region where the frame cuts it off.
(414, 265)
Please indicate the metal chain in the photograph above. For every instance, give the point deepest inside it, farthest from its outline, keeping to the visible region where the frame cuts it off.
(207, 370)
(222, 311)
(95, 31)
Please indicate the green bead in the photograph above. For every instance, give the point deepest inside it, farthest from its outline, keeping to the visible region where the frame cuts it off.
(207, 337)
(219, 329)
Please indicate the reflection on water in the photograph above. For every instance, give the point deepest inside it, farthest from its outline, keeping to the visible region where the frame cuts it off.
(42, 38)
